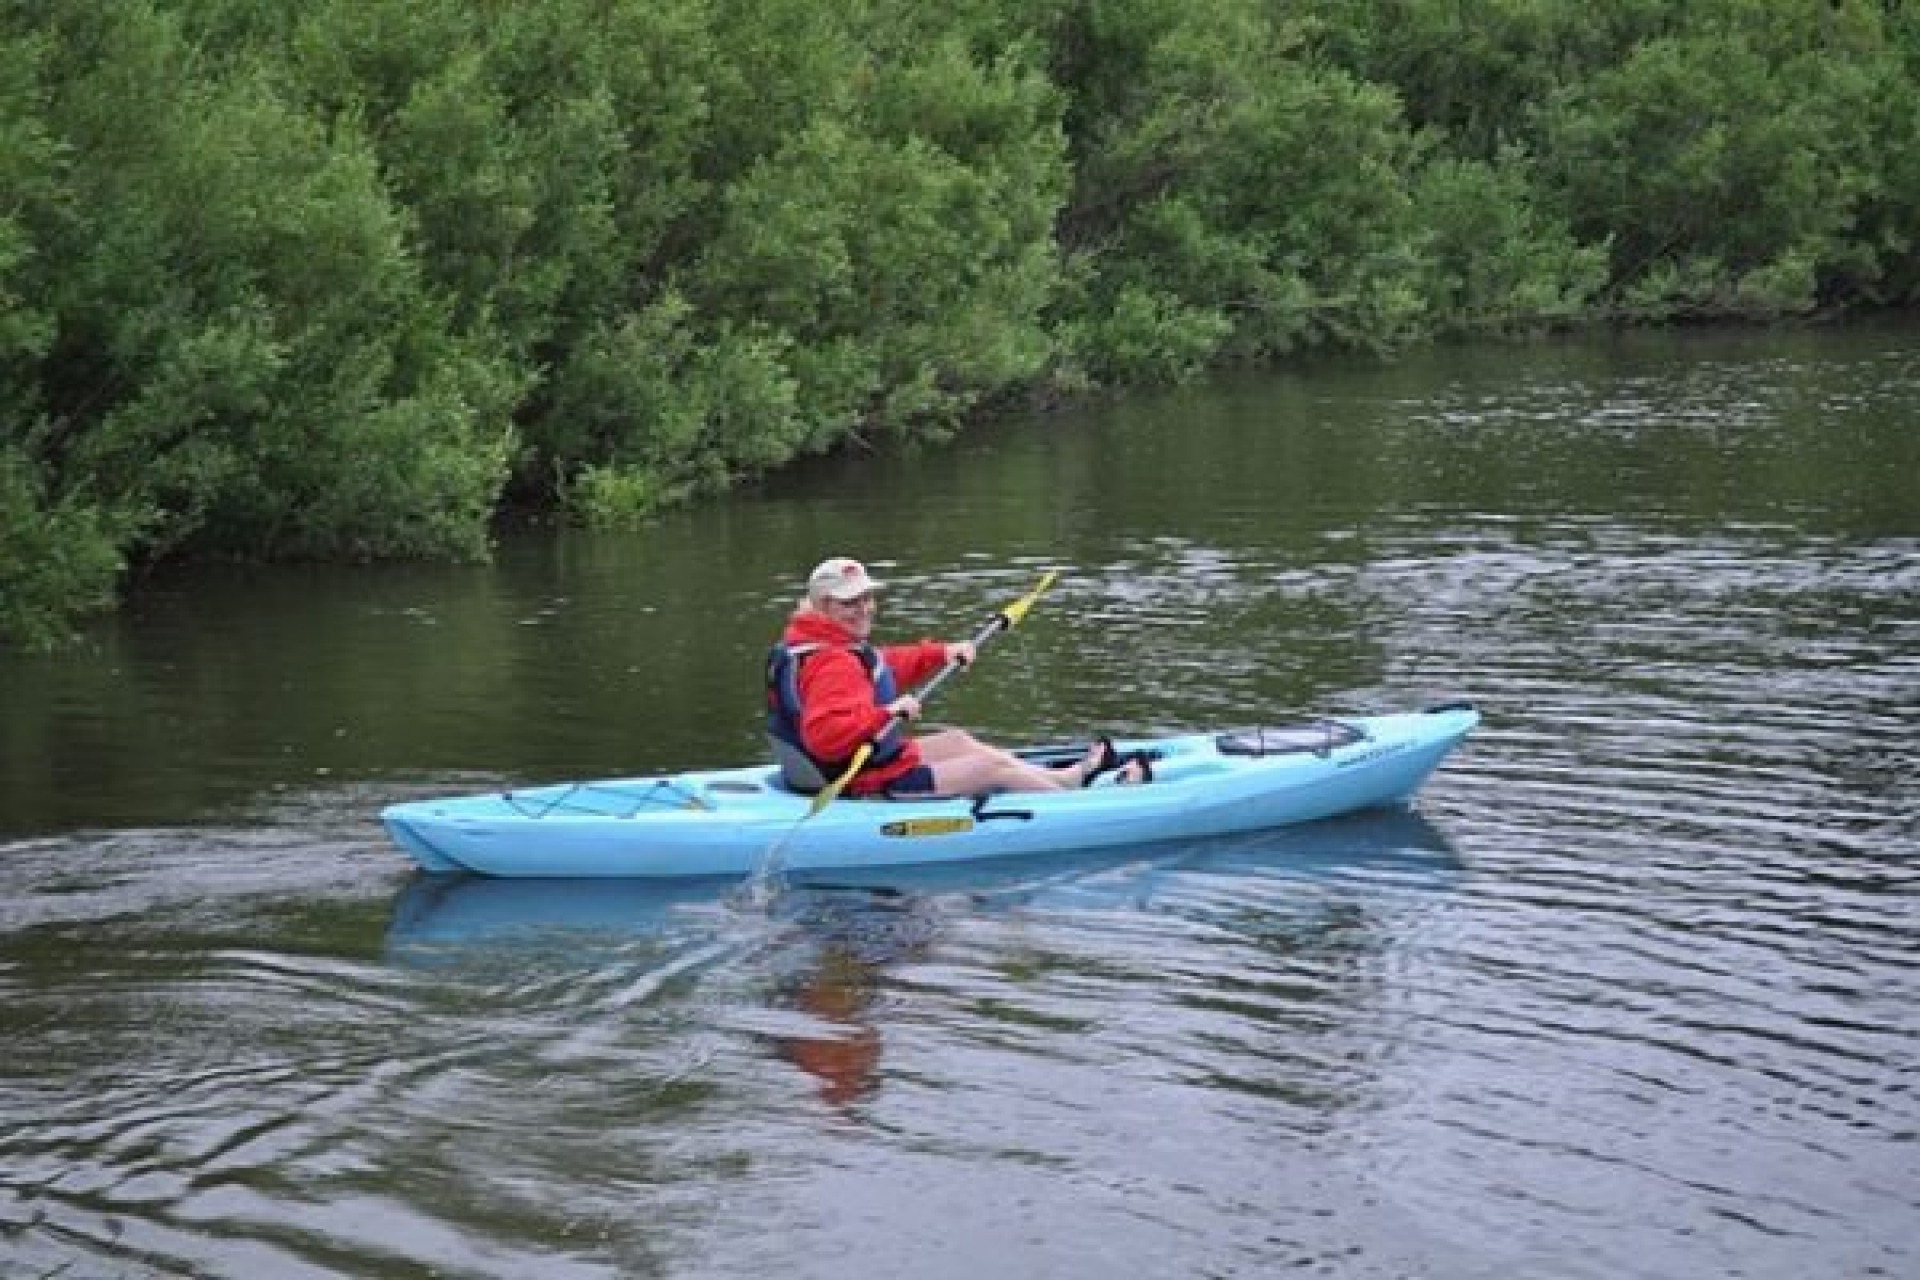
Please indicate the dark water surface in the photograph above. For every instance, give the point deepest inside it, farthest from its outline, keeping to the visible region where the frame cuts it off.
(1632, 993)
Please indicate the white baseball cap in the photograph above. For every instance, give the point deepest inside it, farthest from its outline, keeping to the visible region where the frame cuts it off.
(840, 579)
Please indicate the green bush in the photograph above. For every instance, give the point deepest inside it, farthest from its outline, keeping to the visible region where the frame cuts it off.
(1496, 262)
(330, 279)
(247, 346)
(58, 561)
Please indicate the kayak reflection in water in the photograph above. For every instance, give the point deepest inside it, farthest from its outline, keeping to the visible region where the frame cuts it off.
(831, 691)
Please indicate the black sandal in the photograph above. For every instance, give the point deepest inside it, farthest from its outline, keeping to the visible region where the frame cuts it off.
(1111, 761)
(1132, 758)
(1102, 759)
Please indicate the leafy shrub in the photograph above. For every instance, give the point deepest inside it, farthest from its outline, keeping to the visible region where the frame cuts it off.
(57, 560)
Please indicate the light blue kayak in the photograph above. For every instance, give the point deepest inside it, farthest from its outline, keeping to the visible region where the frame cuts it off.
(727, 821)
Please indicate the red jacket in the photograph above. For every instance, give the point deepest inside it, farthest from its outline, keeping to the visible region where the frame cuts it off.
(838, 709)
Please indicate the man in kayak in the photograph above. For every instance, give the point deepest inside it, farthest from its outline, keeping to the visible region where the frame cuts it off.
(830, 690)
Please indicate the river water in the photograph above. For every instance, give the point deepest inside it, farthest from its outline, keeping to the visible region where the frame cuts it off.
(1631, 992)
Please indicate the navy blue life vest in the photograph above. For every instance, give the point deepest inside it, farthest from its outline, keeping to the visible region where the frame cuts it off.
(802, 770)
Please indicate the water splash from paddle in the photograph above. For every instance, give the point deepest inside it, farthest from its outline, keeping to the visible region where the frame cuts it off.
(761, 890)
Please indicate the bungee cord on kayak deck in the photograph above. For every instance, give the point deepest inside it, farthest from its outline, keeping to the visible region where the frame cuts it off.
(678, 795)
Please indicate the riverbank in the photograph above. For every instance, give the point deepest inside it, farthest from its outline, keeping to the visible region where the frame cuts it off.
(606, 257)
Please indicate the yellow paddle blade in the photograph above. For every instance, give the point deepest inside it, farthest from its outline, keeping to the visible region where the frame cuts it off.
(831, 792)
(1018, 609)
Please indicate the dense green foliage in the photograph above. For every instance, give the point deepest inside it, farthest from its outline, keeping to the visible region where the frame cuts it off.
(339, 279)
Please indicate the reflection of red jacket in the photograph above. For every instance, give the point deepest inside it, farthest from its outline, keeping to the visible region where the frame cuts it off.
(838, 709)
(844, 1055)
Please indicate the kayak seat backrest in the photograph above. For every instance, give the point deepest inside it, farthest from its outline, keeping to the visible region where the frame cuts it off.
(798, 772)
(1317, 736)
